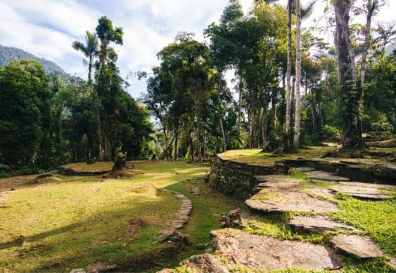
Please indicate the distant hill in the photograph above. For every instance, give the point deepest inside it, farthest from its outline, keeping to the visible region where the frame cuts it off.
(9, 54)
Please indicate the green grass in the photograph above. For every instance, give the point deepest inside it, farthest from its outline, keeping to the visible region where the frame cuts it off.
(376, 219)
(255, 156)
(277, 225)
(206, 214)
(76, 221)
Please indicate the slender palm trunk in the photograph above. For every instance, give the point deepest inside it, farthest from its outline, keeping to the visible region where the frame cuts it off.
(264, 123)
(296, 140)
(288, 79)
(220, 112)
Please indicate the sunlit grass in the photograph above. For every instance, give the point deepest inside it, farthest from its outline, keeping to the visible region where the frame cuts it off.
(256, 156)
(375, 218)
(76, 221)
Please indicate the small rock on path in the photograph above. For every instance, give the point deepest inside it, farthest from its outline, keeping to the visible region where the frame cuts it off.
(326, 176)
(182, 217)
(318, 223)
(363, 191)
(267, 253)
(360, 246)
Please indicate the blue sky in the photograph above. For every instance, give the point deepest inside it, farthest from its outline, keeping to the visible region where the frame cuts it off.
(47, 28)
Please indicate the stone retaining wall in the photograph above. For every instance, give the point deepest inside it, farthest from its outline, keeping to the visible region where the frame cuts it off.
(373, 173)
(237, 178)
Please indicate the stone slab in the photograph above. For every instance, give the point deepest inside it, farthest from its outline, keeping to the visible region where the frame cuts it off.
(305, 169)
(205, 263)
(181, 218)
(275, 179)
(326, 176)
(363, 191)
(268, 253)
(360, 246)
(282, 193)
(297, 201)
(318, 223)
(320, 192)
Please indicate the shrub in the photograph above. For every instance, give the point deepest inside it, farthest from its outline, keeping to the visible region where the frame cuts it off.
(329, 131)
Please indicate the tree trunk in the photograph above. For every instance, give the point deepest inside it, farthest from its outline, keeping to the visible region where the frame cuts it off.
(371, 6)
(191, 147)
(100, 135)
(313, 110)
(166, 152)
(274, 115)
(224, 143)
(288, 79)
(264, 123)
(240, 103)
(351, 94)
(176, 144)
(296, 140)
(90, 69)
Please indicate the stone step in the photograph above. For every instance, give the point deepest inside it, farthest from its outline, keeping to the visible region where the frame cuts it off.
(182, 217)
(360, 246)
(363, 191)
(305, 169)
(326, 176)
(319, 223)
(293, 201)
(265, 253)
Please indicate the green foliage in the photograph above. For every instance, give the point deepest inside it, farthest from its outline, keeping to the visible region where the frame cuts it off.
(329, 131)
(24, 113)
(376, 219)
(374, 120)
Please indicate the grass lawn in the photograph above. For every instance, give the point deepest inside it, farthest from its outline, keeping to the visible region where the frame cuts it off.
(71, 222)
(256, 156)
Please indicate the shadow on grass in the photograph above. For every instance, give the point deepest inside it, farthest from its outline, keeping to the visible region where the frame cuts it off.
(103, 237)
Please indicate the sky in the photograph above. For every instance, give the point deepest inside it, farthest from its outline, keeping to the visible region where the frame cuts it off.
(47, 28)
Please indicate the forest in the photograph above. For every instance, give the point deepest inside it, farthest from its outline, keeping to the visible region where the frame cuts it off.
(287, 167)
(291, 89)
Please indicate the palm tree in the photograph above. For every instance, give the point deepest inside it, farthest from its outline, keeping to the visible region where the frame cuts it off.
(296, 140)
(90, 50)
(300, 13)
(288, 78)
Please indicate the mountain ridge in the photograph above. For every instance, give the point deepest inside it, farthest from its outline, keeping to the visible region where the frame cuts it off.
(9, 54)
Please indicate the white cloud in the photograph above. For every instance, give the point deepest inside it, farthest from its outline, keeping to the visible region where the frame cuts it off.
(48, 27)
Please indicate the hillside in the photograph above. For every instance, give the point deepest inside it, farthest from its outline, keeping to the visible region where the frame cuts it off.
(8, 54)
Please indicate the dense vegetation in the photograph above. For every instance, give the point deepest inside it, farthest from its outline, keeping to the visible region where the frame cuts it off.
(198, 115)
(46, 120)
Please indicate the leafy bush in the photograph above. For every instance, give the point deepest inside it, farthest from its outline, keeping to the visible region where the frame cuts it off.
(377, 121)
(4, 168)
(329, 131)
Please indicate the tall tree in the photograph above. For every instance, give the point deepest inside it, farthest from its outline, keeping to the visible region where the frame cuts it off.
(296, 139)
(351, 84)
(90, 50)
(25, 114)
(288, 79)
(107, 34)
